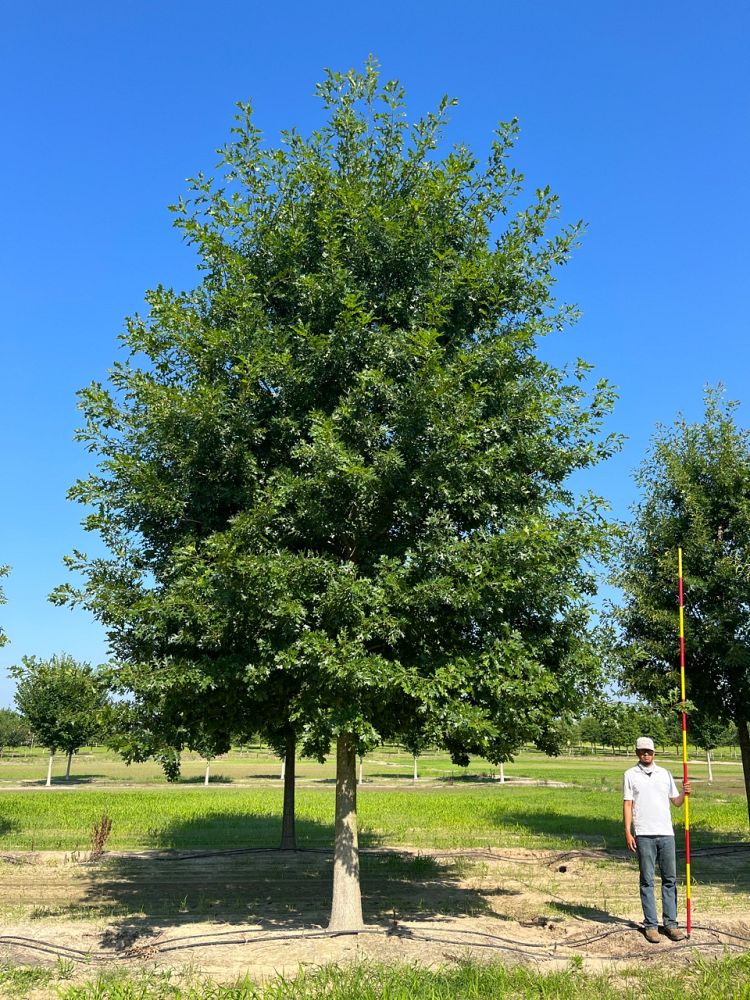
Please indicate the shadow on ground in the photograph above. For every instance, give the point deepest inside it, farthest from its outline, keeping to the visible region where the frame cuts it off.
(63, 782)
(584, 912)
(268, 887)
(598, 831)
(7, 826)
(214, 779)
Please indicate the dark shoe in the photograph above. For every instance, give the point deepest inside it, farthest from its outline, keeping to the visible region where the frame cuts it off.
(674, 933)
(651, 934)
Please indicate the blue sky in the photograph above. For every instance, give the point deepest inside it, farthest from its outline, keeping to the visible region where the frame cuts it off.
(636, 114)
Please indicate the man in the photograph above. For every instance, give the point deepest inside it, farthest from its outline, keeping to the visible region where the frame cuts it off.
(647, 791)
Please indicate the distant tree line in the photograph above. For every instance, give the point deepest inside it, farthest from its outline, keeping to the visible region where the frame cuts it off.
(617, 724)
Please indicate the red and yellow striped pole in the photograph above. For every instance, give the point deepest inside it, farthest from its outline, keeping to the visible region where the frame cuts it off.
(689, 919)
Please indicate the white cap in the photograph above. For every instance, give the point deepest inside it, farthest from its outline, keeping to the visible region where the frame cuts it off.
(644, 743)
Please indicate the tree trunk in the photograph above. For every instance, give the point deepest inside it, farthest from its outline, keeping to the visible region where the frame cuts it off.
(710, 771)
(745, 751)
(283, 769)
(208, 772)
(67, 769)
(361, 770)
(49, 770)
(346, 906)
(288, 832)
(416, 775)
(502, 773)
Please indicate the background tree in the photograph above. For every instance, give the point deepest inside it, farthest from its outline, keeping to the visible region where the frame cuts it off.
(190, 709)
(695, 487)
(62, 701)
(708, 734)
(14, 729)
(618, 724)
(333, 478)
(162, 721)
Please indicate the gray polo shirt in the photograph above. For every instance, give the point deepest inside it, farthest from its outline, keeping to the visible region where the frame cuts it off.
(650, 794)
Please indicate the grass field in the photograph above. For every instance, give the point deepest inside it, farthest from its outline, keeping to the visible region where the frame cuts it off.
(448, 808)
(455, 816)
(726, 979)
(98, 766)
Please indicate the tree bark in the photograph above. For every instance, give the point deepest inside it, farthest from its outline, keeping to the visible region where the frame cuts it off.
(416, 773)
(346, 906)
(208, 772)
(67, 769)
(288, 832)
(710, 770)
(49, 770)
(745, 752)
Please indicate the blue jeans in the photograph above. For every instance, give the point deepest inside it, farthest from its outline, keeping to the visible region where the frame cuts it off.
(653, 850)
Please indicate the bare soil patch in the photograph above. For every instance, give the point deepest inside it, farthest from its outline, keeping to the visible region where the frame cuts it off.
(264, 912)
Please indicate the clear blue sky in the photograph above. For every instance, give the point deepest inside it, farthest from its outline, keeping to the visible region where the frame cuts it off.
(635, 113)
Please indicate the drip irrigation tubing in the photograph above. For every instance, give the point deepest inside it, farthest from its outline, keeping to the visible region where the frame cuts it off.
(455, 936)
(426, 852)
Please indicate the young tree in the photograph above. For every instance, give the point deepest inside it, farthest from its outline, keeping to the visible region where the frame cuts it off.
(14, 730)
(334, 477)
(696, 495)
(706, 733)
(62, 701)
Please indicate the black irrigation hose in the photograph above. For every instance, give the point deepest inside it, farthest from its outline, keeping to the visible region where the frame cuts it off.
(538, 952)
(477, 852)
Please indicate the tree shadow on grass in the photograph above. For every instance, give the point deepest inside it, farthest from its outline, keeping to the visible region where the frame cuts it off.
(264, 886)
(60, 781)
(213, 779)
(586, 831)
(7, 826)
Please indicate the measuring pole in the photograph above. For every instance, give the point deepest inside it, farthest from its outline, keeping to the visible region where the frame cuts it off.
(689, 921)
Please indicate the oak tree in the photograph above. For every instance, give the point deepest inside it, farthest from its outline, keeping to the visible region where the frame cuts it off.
(334, 476)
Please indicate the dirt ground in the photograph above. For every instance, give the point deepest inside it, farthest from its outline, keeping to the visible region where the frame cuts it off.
(264, 912)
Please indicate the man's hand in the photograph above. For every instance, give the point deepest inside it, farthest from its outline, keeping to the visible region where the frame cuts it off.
(686, 788)
(630, 840)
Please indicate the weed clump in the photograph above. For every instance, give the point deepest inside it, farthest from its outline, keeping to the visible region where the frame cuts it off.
(99, 835)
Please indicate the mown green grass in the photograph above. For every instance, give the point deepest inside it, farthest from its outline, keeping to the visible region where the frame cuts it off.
(724, 979)
(99, 766)
(445, 816)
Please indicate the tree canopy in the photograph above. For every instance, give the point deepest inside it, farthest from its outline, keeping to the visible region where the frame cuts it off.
(61, 699)
(333, 477)
(14, 729)
(161, 722)
(695, 486)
